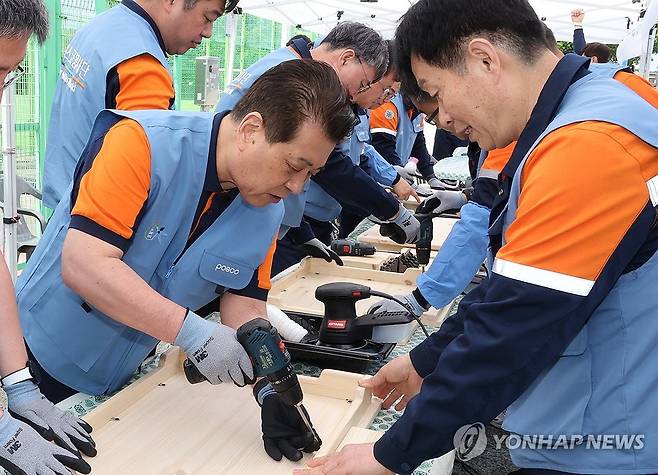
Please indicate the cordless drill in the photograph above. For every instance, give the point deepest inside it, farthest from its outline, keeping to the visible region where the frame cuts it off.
(270, 359)
(344, 247)
(424, 216)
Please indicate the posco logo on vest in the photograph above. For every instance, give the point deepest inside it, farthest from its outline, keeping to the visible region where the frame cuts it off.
(228, 269)
(470, 441)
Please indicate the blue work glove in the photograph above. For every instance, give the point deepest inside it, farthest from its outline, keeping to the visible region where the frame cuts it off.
(386, 305)
(24, 452)
(317, 248)
(215, 351)
(28, 405)
(284, 432)
(402, 228)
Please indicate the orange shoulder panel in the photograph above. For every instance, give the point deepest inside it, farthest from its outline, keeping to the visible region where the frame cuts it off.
(384, 118)
(265, 269)
(113, 191)
(641, 86)
(144, 83)
(569, 218)
(498, 158)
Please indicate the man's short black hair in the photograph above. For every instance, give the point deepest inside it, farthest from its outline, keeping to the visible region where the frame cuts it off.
(437, 30)
(601, 51)
(290, 93)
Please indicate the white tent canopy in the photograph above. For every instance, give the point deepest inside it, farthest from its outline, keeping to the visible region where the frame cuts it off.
(605, 20)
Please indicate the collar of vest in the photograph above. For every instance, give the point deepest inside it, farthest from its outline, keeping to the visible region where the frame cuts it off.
(134, 7)
(301, 48)
(212, 180)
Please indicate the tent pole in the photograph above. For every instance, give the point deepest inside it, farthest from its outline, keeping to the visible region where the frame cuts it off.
(231, 32)
(9, 171)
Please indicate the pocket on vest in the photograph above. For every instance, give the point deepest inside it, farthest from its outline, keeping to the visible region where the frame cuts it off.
(197, 285)
(82, 337)
(556, 401)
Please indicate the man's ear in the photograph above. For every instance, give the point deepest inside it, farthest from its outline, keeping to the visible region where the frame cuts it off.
(595, 60)
(250, 128)
(168, 5)
(346, 56)
(482, 53)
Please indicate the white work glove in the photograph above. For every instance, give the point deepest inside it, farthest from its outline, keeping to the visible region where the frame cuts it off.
(577, 17)
(317, 248)
(443, 200)
(215, 351)
(24, 452)
(386, 305)
(28, 405)
(402, 228)
(405, 174)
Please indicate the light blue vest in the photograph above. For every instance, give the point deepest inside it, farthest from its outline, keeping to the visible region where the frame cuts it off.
(606, 381)
(99, 46)
(86, 349)
(407, 131)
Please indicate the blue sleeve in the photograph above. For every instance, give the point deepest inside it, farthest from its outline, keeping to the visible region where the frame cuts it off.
(354, 189)
(459, 258)
(382, 171)
(579, 42)
(301, 234)
(420, 151)
(385, 145)
(497, 356)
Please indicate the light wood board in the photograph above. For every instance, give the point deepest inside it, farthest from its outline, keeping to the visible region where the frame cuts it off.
(375, 261)
(295, 291)
(442, 227)
(163, 425)
(359, 435)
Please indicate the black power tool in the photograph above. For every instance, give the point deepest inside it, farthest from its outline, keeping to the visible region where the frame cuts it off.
(270, 359)
(424, 214)
(344, 247)
(341, 325)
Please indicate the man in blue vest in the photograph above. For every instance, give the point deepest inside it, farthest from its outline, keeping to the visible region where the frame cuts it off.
(167, 211)
(562, 333)
(397, 134)
(359, 56)
(119, 61)
(30, 421)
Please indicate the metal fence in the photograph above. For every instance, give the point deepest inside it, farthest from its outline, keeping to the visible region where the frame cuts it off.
(255, 38)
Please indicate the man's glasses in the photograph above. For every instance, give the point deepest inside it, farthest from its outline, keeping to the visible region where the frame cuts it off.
(12, 77)
(431, 119)
(368, 84)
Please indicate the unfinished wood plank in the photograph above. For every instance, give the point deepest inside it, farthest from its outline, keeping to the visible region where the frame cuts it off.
(163, 425)
(375, 261)
(359, 435)
(442, 227)
(295, 291)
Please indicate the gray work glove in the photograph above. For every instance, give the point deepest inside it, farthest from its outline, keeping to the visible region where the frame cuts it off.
(215, 351)
(403, 228)
(317, 248)
(405, 174)
(28, 405)
(435, 183)
(24, 452)
(387, 305)
(443, 200)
